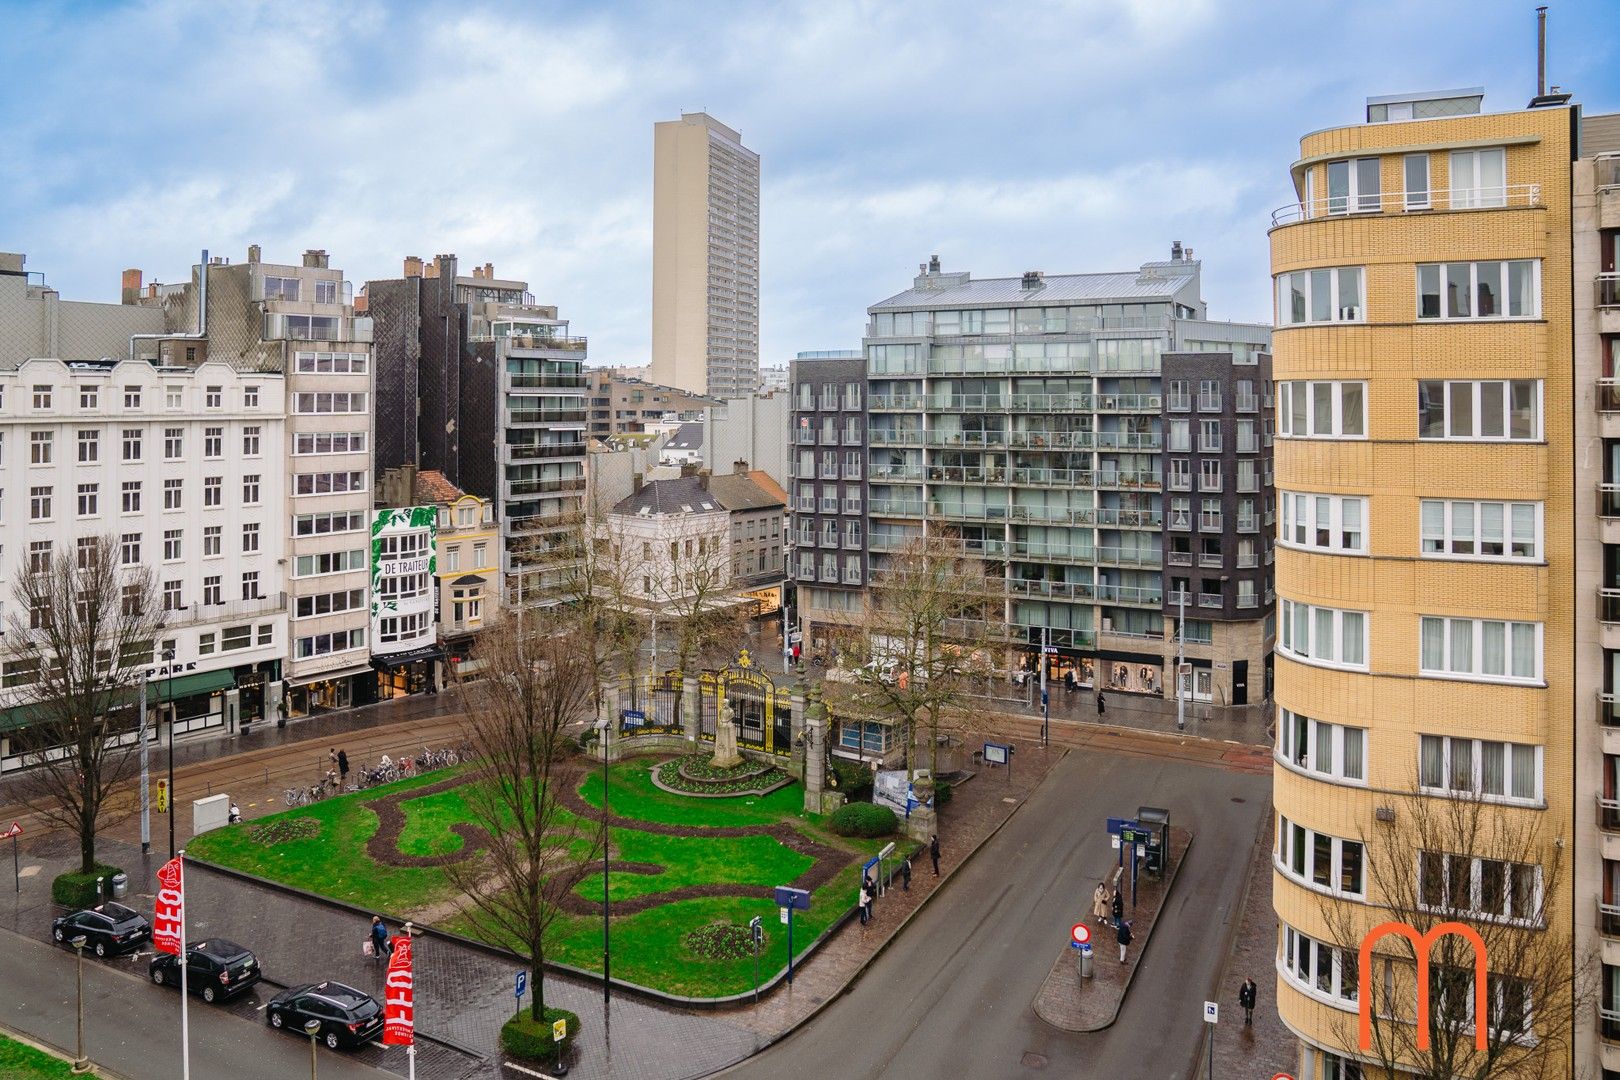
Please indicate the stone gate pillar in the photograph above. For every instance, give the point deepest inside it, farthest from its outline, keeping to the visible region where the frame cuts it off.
(815, 751)
(691, 707)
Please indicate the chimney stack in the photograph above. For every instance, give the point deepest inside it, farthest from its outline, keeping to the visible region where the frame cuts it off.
(739, 467)
(1032, 279)
(254, 254)
(413, 266)
(489, 271)
(636, 480)
(131, 290)
(315, 258)
(1175, 251)
(703, 479)
(933, 264)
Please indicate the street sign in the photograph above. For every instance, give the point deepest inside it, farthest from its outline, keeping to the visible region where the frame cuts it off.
(521, 985)
(1049, 650)
(887, 850)
(1080, 933)
(756, 930)
(789, 897)
(795, 637)
(784, 913)
(996, 753)
(1211, 1012)
(15, 830)
(559, 1030)
(633, 717)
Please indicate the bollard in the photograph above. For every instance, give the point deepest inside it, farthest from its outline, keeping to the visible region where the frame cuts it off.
(1084, 960)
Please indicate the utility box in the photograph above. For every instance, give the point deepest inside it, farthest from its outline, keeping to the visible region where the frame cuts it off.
(214, 812)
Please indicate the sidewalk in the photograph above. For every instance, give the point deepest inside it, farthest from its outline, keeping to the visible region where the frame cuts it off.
(1267, 1048)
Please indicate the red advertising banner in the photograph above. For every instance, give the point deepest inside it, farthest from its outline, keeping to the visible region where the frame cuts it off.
(399, 1002)
(169, 909)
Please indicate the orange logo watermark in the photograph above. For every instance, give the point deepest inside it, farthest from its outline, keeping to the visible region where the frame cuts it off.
(1422, 944)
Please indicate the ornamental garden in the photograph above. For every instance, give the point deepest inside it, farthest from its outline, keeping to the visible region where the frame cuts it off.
(694, 854)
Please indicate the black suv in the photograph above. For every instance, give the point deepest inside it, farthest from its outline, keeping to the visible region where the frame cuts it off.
(215, 968)
(110, 928)
(348, 1017)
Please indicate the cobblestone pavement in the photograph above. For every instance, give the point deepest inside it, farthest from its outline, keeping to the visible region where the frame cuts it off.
(1267, 1048)
(1074, 1004)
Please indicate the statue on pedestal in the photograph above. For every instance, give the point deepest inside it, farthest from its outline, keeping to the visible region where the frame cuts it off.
(725, 739)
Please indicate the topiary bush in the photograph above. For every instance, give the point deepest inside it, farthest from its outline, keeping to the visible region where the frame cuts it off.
(863, 819)
(76, 890)
(942, 795)
(523, 1038)
(854, 780)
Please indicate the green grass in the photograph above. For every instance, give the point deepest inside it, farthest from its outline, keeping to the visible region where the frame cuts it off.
(631, 793)
(696, 860)
(19, 1061)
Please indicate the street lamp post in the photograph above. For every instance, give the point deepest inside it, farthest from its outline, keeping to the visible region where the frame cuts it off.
(81, 1064)
(604, 725)
(312, 1028)
(168, 664)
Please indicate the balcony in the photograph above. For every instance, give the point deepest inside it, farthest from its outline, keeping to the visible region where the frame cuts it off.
(1609, 605)
(1608, 814)
(1406, 202)
(516, 381)
(1209, 444)
(1131, 594)
(964, 474)
(967, 438)
(1608, 290)
(539, 487)
(1609, 919)
(1248, 524)
(852, 472)
(828, 472)
(1211, 560)
(1209, 521)
(909, 437)
(1178, 558)
(891, 402)
(1129, 519)
(1248, 444)
(896, 508)
(555, 344)
(852, 542)
(1608, 395)
(897, 472)
(546, 416)
(1248, 600)
(1114, 556)
(1178, 402)
(1247, 560)
(1181, 521)
(1040, 403)
(1609, 1023)
(1607, 713)
(1113, 478)
(1055, 590)
(1609, 500)
(1179, 482)
(1049, 440)
(1210, 403)
(536, 451)
(1128, 402)
(852, 438)
(1248, 403)
(1209, 600)
(968, 402)
(1041, 477)
(1129, 440)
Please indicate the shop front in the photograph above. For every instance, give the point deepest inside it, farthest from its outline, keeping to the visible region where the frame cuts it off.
(1130, 673)
(414, 671)
(253, 683)
(195, 701)
(330, 693)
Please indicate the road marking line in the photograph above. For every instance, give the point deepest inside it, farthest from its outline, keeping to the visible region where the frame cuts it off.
(529, 1072)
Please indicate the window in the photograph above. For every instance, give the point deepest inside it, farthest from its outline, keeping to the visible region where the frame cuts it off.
(212, 537)
(174, 444)
(328, 402)
(42, 396)
(1353, 186)
(1478, 178)
(250, 489)
(1324, 522)
(404, 627)
(331, 562)
(479, 556)
(39, 504)
(213, 442)
(173, 491)
(1481, 648)
(172, 600)
(211, 590)
(325, 363)
(1318, 968)
(281, 288)
(325, 292)
(130, 496)
(1416, 172)
(212, 490)
(250, 441)
(1209, 474)
(1325, 636)
(1329, 295)
(89, 447)
(452, 558)
(267, 634)
(205, 644)
(89, 500)
(250, 585)
(41, 447)
(39, 556)
(322, 644)
(1483, 290)
(132, 444)
(329, 442)
(1180, 439)
(233, 638)
(1481, 530)
(1319, 861)
(333, 522)
(1209, 436)
(1510, 772)
(1489, 409)
(213, 397)
(1332, 750)
(132, 397)
(250, 538)
(129, 549)
(174, 398)
(250, 397)
(1322, 410)
(305, 607)
(1479, 888)
(171, 544)
(1335, 1067)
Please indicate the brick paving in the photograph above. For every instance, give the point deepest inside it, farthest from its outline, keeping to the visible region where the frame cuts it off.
(1071, 1003)
(1267, 1048)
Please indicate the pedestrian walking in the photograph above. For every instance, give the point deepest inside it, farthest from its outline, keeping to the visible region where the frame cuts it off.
(343, 766)
(1099, 903)
(1246, 998)
(933, 852)
(1123, 936)
(331, 756)
(1102, 706)
(866, 903)
(1119, 907)
(381, 947)
(905, 875)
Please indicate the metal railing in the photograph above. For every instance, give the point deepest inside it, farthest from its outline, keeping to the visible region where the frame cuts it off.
(1609, 1023)
(1033, 474)
(1127, 479)
(1178, 402)
(1129, 440)
(1608, 290)
(1208, 520)
(1608, 171)
(967, 438)
(1608, 394)
(1609, 500)
(1209, 402)
(1059, 590)
(904, 437)
(1247, 560)
(1609, 919)
(1406, 202)
(1178, 558)
(1248, 403)
(1209, 600)
(1130, 594)
(1211, 559)
(529, 452)
(1609, 605)
(897, 472)
(1607, 712)
(1608, 814)
(968, 402)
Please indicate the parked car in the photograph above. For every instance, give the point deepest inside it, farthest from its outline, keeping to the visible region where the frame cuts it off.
(110, 928)
(348, 1017)
(216, 969)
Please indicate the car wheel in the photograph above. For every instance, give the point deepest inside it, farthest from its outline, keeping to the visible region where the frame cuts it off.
(158, 977)
(275, 1019)
(331, 1040)
(209, 993)
(59, 934)
(101, 948)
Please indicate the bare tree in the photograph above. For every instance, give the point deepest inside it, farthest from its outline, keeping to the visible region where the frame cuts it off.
(929, 632)
(1495, 870)
(691, 585)
(539, 681)
(599, 584)
(83, 628)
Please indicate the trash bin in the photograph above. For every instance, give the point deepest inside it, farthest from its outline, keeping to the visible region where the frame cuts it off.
(120, 886)
(1085, 960)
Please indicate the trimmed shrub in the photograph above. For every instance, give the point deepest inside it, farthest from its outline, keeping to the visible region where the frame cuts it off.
(942, 795)
(76, 890)
(523, 1038)
(854, 780)
(863, 819)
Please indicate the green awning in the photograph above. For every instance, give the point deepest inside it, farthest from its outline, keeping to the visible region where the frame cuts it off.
(159, 691)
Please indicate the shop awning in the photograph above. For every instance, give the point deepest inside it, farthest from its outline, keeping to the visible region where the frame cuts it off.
(399, 660)
(158, 691)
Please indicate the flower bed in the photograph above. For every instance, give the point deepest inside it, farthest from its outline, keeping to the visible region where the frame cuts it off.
(281, 830)
(697, 776)
(721, 941)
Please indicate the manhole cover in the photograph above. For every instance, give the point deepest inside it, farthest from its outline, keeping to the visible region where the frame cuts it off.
(1238, 798)
(1032, 1060)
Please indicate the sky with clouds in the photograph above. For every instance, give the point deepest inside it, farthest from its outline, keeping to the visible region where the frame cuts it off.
(1061, 135)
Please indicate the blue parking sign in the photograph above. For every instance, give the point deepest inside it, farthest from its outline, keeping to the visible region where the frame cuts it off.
(522, 984)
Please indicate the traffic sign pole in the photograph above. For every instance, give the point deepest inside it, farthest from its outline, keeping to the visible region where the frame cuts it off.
(16, 871)
(1212, 1012)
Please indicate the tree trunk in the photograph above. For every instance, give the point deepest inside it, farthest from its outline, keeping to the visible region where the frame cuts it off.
(537, 976)
(87, 842)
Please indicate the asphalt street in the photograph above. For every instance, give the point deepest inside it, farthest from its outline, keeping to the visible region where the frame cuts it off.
(952, 996)
(134, 1029)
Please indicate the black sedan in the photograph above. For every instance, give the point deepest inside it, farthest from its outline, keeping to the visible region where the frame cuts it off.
(216, 969)
(110, 928)
(347, 1017)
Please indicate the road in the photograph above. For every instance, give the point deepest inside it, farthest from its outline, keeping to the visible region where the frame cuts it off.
(133, 1029)
(952, 996)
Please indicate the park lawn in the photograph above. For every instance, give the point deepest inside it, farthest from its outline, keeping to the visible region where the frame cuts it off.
(19, 1061)
(334, 862)
(631, 793)
(695, 860)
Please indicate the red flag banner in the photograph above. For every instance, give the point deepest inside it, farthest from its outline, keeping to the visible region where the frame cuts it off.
(399, 1003)
(169, 909)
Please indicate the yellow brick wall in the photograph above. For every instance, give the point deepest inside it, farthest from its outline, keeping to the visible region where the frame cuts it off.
(1394, 584)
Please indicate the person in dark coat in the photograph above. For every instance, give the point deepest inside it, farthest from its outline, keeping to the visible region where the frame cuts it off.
(343, 767)
(1246, 997)
(1123, 936)
(383, 947)
(905, 875)
(1101, 705)
(1119, 907)
(933, 852)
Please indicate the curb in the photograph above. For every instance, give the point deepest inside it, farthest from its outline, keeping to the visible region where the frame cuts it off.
(1130, 976)
(1202, 1049)
(890, 940)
